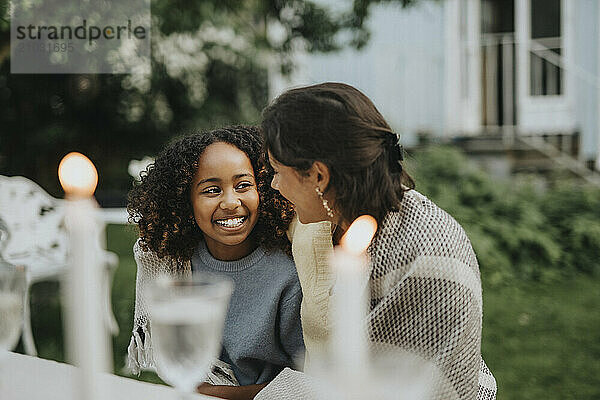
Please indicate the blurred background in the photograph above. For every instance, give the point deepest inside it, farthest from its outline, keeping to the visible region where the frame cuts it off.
(497, 103)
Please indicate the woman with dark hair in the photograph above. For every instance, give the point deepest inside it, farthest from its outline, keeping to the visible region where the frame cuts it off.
(206, 205)
(336, 158)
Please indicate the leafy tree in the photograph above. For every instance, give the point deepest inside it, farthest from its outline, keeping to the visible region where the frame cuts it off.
(210, 62)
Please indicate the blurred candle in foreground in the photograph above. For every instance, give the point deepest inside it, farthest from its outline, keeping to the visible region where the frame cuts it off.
(349, 309)
(88, 342)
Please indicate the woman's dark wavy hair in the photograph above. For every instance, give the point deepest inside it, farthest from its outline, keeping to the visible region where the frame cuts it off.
(338, 125)
(160, 205)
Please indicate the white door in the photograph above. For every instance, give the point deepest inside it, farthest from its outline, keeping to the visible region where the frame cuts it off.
(498, 64)
(544, 86)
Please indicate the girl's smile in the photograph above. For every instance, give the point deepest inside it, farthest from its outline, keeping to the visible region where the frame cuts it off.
(231, 223)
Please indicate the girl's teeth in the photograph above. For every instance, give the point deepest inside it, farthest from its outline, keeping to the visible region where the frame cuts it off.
(230, 223)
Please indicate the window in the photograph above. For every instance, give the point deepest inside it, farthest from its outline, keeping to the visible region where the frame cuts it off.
(546, 48)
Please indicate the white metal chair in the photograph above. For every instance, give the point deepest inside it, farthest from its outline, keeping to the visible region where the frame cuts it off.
(38, 240)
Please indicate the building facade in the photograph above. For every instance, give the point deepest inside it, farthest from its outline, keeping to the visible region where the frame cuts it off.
(519, 69)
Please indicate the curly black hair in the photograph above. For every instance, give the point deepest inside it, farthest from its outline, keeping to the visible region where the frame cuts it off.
(160, 205)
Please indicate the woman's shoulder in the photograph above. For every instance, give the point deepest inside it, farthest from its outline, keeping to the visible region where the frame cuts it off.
(420, 226)
(418, 210)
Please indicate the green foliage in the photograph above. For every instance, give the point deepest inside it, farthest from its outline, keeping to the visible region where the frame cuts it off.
(574, 213)
(516, 230)
(209, 68)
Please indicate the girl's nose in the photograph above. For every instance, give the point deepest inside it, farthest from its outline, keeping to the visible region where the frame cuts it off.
(230, 201)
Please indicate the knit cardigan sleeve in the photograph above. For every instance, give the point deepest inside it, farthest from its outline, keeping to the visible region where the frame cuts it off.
(149, 267)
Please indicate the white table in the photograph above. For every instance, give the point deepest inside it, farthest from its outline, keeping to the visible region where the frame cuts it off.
(30, 378)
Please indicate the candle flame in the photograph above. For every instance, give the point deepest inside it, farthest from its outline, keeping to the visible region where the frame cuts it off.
(77, 175)
(359, 235)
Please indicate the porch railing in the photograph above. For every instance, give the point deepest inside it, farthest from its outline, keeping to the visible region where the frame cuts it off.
(547, 74)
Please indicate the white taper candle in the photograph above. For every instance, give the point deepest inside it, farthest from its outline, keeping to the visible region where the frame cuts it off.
(88, 341)
(350, 299)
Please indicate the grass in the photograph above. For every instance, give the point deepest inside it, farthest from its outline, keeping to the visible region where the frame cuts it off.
(543, 341)
(539, 340)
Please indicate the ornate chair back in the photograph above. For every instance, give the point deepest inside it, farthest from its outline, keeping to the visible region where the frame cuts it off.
(33, 234)
(35, 222)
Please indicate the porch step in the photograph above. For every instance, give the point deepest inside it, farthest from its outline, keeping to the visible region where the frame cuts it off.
(561, 158)
(518, 153)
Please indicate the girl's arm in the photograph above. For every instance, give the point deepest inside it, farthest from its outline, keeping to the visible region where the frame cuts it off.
(231, 392)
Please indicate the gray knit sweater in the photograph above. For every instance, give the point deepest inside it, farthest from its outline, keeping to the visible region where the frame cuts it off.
(262, 332)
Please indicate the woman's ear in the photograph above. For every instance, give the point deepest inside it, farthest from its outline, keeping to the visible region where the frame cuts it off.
(320, 174)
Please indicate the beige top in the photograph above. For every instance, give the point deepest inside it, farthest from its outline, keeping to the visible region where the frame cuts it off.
(311, 247)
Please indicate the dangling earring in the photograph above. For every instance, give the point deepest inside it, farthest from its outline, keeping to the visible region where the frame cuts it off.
(325, 203)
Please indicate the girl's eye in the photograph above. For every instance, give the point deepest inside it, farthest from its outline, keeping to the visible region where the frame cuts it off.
(244, 185)
(211, 190)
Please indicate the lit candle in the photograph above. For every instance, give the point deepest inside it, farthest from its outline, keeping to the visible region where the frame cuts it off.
(349, 308)
(88, 342)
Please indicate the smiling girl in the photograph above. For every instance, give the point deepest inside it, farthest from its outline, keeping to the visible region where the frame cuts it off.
(206, 205)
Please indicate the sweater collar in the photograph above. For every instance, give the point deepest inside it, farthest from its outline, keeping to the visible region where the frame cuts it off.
(202, 255)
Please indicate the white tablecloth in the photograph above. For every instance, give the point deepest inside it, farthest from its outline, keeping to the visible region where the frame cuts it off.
(29, 378)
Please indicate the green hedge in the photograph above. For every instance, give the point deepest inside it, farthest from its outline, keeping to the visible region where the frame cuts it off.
(519, 229)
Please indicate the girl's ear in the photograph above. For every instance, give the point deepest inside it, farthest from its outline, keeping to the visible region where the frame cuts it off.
(320, 174)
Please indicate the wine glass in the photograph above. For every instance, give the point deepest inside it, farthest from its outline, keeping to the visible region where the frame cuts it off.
(12, 297)
(187, 317)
